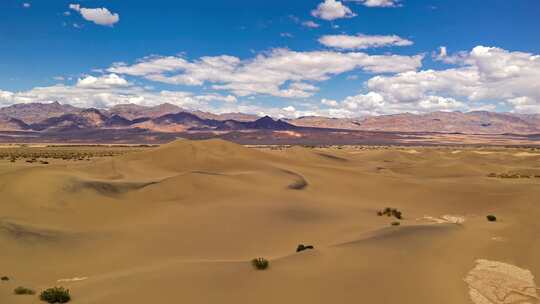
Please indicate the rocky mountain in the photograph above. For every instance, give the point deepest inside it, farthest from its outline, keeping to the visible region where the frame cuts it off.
(36, 112)
(133, 111)
(326, 122)
(226, 116)
(55, 117)
(478, 122)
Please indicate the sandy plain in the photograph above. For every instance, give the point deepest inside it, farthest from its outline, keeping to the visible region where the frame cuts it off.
(180, 224)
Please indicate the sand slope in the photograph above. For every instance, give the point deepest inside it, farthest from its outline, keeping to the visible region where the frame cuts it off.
(180, 223)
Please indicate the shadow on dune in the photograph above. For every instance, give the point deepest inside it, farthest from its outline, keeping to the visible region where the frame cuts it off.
(332, 157)
(26, 232)
(108, 188)
(406, 232)
(299, 183)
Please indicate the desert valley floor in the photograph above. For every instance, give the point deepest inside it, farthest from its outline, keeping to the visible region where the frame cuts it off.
(180, 223)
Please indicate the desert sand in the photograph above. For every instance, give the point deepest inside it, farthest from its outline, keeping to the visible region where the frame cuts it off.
(181, 223)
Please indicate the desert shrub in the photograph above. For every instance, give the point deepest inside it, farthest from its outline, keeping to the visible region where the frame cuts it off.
(492, 175)
(303, 247)
(23, 291)
(55, 295)
(491, 218)
(395, 223)
(391, 212)
(4, 278)
(260, 263)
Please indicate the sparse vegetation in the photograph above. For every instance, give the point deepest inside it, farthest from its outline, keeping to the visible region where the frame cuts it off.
(391, 212)
(491, 218)
(23, 291)
(511, 175)
(260, 263)
(55, 295)
(303, 247)
(395, 223)
(4, 279)
(43, 155)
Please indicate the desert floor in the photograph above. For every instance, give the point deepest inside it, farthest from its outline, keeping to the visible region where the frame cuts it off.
(181, 223)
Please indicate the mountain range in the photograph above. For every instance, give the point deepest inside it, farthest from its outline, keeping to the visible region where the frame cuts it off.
(56, 117)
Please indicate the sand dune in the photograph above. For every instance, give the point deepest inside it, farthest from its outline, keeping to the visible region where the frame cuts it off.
(180, 223)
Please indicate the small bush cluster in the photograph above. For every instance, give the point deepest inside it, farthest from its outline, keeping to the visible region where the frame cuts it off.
(391, 212)
(303, 247)
(23, 291)
(491, 218)
(260, 263)
(4, 278)
(395, 223)
(55, 295)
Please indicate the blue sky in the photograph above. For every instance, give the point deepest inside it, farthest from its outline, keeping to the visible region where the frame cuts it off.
(354, 58)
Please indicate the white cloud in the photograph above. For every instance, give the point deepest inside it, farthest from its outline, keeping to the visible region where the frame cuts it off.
(484, 77)
(362, 41)
(101, 16)
(379, 3)
(289, 109)
(329, 102)
(525, 105)
(243, 77)
(286, 35)
(109, 90)
(103, 82)
(310, 24)
(331, 10)
(26, 5)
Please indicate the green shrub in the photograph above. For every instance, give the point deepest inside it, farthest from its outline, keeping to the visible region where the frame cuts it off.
(23, 291)
(55, 295)
(491, 218)
(260, 263)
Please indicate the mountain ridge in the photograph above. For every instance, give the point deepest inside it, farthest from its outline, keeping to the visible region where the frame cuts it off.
(56, 117)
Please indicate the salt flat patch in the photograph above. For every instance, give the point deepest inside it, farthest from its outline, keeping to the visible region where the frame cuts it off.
(445, 219)
(411, 151)
(492, 282)
(75, 279)
(526, 154)
(484, 152)
(457, 151)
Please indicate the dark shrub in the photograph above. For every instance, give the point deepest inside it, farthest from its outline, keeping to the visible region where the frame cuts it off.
(395, 223)
(260, 263)
(55, 295)
(391, 212)
(23, 291)
(4, 278)
(491, 218)
(303, 247)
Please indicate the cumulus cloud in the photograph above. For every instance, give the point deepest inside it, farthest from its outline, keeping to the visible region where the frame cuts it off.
(361, 41)
(26, 5)
(331, 10)
(310, 24)
(329, 102)
(286, 73)
(483, 77)
(378, 3)
(108, 90)
(103, 82)
(101, 16)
